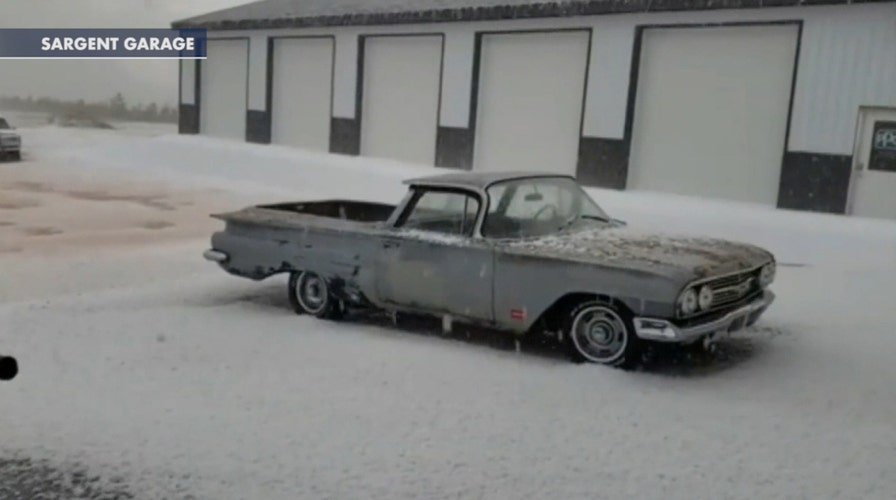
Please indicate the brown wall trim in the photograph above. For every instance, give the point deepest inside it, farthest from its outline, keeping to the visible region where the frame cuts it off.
(454, 148)
(258, 126)
(815, 181)
(188, 119)
(345, 136)
(603, 162)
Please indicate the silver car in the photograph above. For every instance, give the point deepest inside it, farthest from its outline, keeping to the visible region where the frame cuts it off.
(10, 142)
(518, 252)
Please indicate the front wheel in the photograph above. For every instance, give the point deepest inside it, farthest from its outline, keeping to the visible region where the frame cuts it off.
(309, 293)
(597, 332)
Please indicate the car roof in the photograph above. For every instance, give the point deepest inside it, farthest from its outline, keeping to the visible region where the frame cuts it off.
(477, 180)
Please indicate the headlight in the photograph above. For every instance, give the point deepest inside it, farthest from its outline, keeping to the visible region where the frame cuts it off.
(704, 298)
(688, 301)
(767, 274)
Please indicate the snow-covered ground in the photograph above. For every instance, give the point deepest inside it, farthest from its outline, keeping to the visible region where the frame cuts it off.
(153, 369)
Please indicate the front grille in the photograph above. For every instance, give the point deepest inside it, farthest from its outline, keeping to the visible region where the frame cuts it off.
(726, 281)
(733, 287)
(718, 311)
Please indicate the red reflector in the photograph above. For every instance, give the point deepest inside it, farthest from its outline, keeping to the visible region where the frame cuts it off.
(517, 314)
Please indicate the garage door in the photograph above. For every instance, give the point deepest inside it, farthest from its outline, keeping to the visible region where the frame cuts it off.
(222, 108)
(400, 112)
(711, 111)
(302, 89)
(531, 93)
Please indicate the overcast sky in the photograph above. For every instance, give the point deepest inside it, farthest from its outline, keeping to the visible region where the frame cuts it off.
(139, 81)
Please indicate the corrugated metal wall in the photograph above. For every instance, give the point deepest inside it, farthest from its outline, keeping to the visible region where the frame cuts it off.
(847, 60)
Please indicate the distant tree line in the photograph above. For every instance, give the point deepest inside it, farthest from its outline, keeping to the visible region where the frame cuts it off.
(113, 109)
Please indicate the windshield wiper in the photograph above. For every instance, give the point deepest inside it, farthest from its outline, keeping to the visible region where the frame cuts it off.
(593, 217)
(579, 217)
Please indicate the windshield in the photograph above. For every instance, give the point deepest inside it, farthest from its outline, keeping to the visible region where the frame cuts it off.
(537, 206)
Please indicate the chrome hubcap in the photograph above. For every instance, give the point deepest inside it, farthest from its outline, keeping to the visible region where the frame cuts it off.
(312, 292)
(599, 334)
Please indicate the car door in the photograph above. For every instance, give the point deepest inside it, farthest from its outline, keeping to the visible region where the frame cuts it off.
(431, 261)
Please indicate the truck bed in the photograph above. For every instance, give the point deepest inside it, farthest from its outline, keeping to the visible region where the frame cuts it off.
(332, 236)
(360, 211)
(327, 214)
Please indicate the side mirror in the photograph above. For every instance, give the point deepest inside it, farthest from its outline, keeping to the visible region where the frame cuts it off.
(9, 368)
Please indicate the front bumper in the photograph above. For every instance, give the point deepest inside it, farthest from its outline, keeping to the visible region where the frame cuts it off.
(662, 330)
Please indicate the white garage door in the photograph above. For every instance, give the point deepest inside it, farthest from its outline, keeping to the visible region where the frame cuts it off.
(711, 111)
(400, 112)
(222, 108)
(302, 89)
(531, 92)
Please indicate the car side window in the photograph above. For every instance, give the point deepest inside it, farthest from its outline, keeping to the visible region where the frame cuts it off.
(447, 212)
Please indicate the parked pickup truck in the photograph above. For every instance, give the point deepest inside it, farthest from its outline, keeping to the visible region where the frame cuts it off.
(10, 142)
(518, 252)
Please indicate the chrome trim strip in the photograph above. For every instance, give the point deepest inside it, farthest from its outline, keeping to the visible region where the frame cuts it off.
(665, 331)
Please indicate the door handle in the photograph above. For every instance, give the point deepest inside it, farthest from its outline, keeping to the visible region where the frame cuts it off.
(391, 244)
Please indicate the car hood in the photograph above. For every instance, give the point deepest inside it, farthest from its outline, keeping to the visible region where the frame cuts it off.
(682, 257)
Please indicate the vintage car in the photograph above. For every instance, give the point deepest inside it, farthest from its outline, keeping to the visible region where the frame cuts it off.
(519, 252)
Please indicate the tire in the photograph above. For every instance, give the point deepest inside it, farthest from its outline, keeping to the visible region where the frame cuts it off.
(291, 293)
(598, 332)
(16, 156)
(309, 293)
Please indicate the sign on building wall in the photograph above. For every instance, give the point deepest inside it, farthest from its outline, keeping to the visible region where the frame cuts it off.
(883, 147)
(28, 43)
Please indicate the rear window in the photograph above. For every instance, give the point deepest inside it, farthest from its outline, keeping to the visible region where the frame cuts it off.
(448, 212)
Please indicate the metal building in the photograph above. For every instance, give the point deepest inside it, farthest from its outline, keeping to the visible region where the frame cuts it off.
(778, 102)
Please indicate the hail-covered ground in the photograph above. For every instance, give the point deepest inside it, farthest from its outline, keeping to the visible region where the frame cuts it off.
(148, 373)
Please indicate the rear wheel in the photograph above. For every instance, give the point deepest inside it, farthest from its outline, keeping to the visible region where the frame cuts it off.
(598, 332)
(309, 293)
